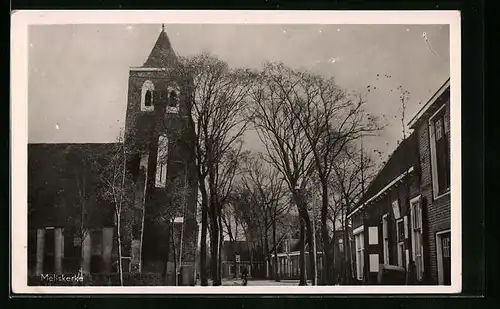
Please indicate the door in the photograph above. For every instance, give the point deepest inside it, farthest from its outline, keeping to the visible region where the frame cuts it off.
(49, 251)
(446, 250)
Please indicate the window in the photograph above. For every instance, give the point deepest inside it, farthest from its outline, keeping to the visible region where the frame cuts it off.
(360, 253)
(400, 233)
(148, 99)
(173, 99)
(147, 96)
(385, 237)
(162, 160)
(440, 154)
(417, 236)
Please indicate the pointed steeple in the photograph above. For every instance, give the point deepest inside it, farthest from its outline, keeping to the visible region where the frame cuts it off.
(162, 54)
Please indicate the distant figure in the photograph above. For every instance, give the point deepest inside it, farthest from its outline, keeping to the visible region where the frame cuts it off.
(411, 275)
(244, 274)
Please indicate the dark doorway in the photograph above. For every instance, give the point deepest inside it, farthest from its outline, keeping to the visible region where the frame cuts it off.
(49, 250)
(32, 250)
(446, 253)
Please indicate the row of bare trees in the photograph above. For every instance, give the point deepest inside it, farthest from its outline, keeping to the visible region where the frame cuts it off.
(309, 129)
(306, 122)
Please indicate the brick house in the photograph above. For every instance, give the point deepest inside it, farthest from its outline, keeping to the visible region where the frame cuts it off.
(404, 216)
(432, 126)
(159, 166)
(381, 221)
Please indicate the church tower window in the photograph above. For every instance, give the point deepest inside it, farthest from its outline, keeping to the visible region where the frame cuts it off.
(148, 100)
(173, 100)
(147, 96)
(161, 162)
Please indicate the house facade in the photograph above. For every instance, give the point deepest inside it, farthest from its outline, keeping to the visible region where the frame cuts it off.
(404, 216)
(381, 222)
(237, 255)
(289, 258)
(432, 126)
(160, 223)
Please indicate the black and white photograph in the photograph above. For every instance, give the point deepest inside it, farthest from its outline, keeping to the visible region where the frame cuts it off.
(172, 152)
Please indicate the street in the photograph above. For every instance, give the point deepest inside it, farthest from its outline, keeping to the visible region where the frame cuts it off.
(235, 282)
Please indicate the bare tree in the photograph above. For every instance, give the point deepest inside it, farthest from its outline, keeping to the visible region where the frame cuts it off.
(217, 97)
(116, 189)
(352, 170)
(266, 188)
(249, 216)
(227, 170)
(287, 146)
(82, 167)
(329, 119)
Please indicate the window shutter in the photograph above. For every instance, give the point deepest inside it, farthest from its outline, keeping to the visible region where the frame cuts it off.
(395, 209)
(373, 235)
(385, 232)
(405, 220)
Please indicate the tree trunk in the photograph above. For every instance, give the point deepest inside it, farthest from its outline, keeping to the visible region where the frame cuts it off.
(312, 254)
(328, 261)
(303, 278)
(214, 243)
(204, 228)
(333, 270)
(167, 256)
(119, 236)
(219, 251)
(347, 249)
(172, 233)
(268, 254)
(250, 250)
(142, 236)
(277, 270)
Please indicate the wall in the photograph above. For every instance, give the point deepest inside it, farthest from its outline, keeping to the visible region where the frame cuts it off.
(142, 131)
(437, 212)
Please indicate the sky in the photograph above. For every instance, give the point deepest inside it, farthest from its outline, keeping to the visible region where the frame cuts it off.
(78, 74)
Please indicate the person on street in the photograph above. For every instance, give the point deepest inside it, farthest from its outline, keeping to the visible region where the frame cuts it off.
(244, 274)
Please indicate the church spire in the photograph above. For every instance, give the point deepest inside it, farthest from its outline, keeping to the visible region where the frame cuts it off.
(162, 53)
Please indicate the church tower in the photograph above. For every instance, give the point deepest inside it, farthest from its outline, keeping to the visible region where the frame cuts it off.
(161, 167)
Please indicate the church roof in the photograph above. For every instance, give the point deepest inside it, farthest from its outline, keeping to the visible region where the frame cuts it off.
(162, 53)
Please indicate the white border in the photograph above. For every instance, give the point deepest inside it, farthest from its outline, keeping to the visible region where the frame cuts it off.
(19, 99)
